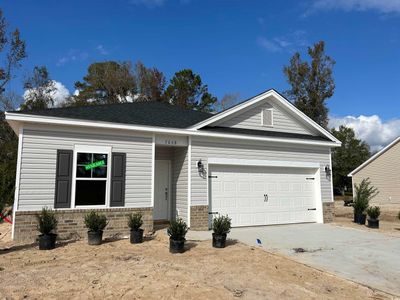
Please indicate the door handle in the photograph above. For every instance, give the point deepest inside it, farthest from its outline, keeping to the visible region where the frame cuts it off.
(265, 197)
(312, 209)
(166, 194)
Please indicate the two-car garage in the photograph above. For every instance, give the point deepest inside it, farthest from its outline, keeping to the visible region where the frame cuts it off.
(264, 195)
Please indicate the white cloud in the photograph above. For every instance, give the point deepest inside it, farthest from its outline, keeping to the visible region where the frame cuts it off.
(71, 56)
(383, 6)
(102, 50)
(60, 93)
(289, 42)
(370, 129)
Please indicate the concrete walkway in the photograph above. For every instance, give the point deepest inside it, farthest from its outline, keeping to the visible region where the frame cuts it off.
(369, 258)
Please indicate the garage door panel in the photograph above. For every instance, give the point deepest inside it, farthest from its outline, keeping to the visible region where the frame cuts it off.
(290, 195)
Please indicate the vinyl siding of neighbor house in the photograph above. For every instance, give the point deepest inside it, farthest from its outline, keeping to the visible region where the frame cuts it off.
(38, 162)
(217, 148)
(251, 119)
(180, 182)
(383, 173)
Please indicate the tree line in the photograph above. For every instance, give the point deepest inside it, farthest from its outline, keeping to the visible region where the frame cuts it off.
(311, 85)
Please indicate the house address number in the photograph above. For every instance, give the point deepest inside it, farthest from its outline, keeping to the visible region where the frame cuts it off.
(170, 142)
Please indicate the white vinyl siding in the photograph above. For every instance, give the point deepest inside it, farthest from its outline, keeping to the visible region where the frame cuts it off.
(38, 162)
(217, 148)
(180, 182)
(252, 119)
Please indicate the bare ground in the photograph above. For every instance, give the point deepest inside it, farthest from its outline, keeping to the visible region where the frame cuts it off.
(388, 224)
(117, 269)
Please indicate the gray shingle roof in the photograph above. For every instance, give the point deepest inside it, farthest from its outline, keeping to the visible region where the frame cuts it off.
(149, 113)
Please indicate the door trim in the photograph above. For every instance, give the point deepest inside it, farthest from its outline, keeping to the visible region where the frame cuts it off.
(169, 206)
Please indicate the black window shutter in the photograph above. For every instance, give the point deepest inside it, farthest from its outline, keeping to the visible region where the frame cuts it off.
(62, 197)
(118, 169)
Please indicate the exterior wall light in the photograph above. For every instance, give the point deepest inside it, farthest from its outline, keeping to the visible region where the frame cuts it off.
(328, 171)
(200, 166)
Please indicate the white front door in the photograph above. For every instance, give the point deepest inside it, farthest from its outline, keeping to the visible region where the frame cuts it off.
(262, 196)
(162, 190)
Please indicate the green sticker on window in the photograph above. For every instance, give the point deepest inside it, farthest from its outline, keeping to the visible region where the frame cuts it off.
(95, 165)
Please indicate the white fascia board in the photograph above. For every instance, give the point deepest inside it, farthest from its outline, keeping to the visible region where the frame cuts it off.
(154, 129)
(372, 158)
(259, 98)
(262, 163)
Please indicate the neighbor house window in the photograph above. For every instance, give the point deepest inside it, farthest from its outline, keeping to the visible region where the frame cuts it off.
(91, 178)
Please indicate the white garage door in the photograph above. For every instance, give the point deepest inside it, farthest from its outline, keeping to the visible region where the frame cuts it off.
(263, 196)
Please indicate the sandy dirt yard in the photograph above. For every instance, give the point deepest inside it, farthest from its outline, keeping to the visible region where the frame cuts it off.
(117, 269)
(388, 224)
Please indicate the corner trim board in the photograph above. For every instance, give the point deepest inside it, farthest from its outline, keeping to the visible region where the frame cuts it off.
(17, 178)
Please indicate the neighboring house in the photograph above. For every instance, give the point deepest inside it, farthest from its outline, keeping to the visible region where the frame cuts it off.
(261, 162)
(382, 169)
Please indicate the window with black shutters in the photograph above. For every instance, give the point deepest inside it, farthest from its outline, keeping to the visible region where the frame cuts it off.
(91, 178)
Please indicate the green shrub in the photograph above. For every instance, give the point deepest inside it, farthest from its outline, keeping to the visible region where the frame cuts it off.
(95, 221)
(374, 212)
(364, 192)
(135, 221)
(47, 221)
(221, 224)
(177, 230)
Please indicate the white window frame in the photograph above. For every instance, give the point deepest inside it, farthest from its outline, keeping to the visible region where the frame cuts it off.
(272, 117)
(91, 149)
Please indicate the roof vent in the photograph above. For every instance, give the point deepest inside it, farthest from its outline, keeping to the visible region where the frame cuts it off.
(267, 117)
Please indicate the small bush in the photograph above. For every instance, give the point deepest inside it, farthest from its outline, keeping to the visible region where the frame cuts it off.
(135, 221)
(374, 212)
(47, 221)
(221, 224)
(364, 192)
(177, 230)
(95, 221)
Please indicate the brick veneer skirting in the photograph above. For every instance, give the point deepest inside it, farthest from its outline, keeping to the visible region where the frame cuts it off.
(71, 223)
(328, 211)
(199, 217)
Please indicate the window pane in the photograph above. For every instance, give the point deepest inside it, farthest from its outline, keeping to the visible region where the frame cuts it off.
(100, 172)
(82, 172)
(84, 158)
(97, 157)
(90, 192)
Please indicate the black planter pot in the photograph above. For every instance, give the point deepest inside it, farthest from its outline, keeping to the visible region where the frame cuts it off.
(360, 218)
(176, 246)
(47, 241)
(372, 223)
(95, 237)
(219, 240)
(136, 236)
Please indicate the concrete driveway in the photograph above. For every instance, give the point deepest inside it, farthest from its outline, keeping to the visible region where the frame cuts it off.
(369, 258)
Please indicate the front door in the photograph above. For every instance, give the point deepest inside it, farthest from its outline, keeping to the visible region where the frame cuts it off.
(162, 190)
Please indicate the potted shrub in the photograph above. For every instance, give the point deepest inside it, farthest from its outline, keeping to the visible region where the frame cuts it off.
(373, 216)
(95, 223)
(134, 223)
(177, 231)
(221, 227)
(364, 192)
(47, 223)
